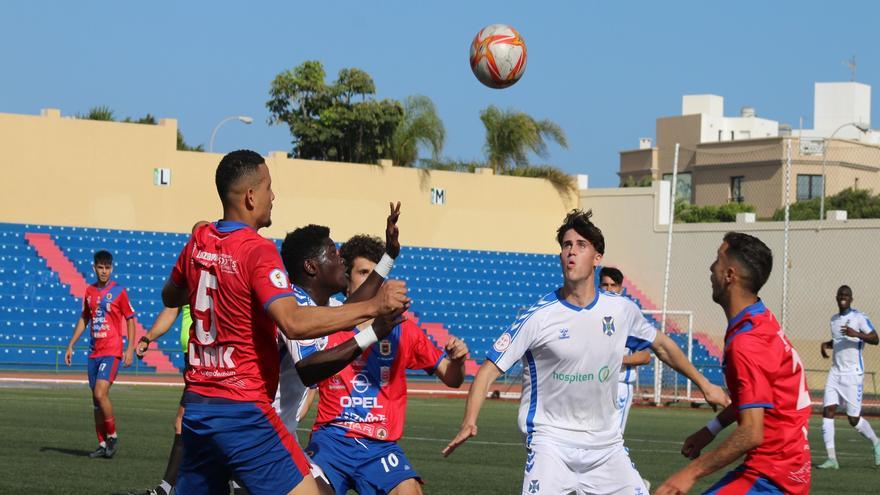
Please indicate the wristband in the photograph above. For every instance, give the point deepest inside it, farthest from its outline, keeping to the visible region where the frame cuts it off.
(144, 339)
(714, 426)
(383, 268)
(366, 338)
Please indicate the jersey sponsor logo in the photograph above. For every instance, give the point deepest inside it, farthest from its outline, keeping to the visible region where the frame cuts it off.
(218, 357)
(381, 433)
(278, 279)
(502, 343)
(563, 334)
(530, 460)
(581, 377)
(534, 486)
(608, 325)
(336, 383)
(360, 383)
(385, 347)
(367, 402)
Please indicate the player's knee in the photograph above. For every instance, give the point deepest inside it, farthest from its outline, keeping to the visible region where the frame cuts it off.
(853, 420)
(828, 412)
(408, 487)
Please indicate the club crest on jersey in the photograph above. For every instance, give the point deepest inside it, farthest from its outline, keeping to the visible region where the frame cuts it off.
(608, 325)
(278, 279)
(385, 347)
(109, 296)
(534, 486)
(563, 334)
(502, 343)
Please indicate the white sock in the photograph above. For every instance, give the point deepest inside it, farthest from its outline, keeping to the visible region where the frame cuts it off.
(865, 429)
(828, 437)
(165, 486)
(112, 436)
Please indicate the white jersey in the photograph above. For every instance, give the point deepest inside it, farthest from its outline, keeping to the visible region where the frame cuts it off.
(571, 359)
(291, 394)
(847, 358)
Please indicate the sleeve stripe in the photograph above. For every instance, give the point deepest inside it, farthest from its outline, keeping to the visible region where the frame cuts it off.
(763, 405)
(637, 344)
(276, 297)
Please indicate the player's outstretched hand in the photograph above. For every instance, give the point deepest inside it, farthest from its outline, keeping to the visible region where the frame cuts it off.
(716, 396)
(392, 298)
(392, 245)
(142, 346)
(677, 484)
(455, 348)
(383, 325)
(68, 356)
(466, 432)
(695, 443)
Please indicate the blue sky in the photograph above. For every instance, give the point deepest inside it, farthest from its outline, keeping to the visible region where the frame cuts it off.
(603, 71)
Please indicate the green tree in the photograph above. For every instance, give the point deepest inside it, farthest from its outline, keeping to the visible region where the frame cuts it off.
(688, 213)
(340, 121)
(421, 126)
(511, 135)
(102, 112)
(858, 203)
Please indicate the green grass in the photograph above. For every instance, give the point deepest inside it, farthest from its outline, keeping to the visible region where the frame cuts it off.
(46, 433)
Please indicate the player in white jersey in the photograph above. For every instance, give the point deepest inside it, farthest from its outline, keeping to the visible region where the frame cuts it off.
(572, 342)
(850, 330)
(611, 280)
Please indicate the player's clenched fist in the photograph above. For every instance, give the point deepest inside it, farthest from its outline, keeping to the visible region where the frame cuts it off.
(455, 348)
(466, 432)
(392, 297)
(716, 396)
(383, 325)
(695, 443)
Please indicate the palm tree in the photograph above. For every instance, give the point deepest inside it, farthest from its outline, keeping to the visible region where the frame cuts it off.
(564, 183)
(421, 126)
(511, 135)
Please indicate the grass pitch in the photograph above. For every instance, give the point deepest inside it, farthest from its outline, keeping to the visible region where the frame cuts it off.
(47, 433)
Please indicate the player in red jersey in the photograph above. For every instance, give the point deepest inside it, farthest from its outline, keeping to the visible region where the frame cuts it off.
(239, 294)
(361, 409)
(768, 388)
(106, 310)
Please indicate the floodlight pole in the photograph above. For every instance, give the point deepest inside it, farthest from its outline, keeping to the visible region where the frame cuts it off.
(858, 125)
(241, 118)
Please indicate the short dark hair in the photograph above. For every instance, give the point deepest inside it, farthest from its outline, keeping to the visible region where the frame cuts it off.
(302, 244)
(579, 220)
(844, 287)
(103, 257)
(363, 246)
(612, 273)
(752, 255)
(233, 167)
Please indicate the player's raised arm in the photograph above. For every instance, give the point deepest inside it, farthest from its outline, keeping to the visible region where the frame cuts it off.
(304, 322)
(487, 375)
(392, 250)
(451, 368)
(668, 352)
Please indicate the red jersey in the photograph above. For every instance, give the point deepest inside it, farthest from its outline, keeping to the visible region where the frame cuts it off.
(762, 369)
(105, 311)
(368, 397)
(232, 274)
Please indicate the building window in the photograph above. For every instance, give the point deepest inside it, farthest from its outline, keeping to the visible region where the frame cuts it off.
(736, 188)
(683, 187)
(808, 186)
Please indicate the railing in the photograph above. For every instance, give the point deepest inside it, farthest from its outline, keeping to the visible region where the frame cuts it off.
(25, 362)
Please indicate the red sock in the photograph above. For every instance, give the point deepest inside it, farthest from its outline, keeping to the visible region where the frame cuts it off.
(110, 426)
(99, 429)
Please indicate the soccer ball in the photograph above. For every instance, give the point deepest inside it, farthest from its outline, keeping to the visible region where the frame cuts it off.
(498, 56)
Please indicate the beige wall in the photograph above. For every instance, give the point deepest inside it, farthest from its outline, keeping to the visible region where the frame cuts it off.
(639, 164)
(763, 186)
(100, 174)
(684, 130)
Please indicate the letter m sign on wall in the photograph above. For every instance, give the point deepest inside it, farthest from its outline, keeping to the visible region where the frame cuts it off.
(438, 196)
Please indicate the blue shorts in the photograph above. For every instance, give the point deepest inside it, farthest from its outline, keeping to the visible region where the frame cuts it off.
(102, 368)
(365, 465)
(744, 481)
(224, 439)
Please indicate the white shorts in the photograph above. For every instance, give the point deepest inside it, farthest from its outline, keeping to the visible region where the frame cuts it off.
(624, 402)
(559, 470)
(844, 390)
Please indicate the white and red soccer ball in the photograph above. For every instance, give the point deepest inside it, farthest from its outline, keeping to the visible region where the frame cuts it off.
(498, 56)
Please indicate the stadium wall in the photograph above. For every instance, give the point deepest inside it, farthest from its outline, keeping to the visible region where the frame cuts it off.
(823, 256)
(87, 173)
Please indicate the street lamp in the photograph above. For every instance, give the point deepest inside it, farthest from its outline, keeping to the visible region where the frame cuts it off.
(858, 125)
(240, 118)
